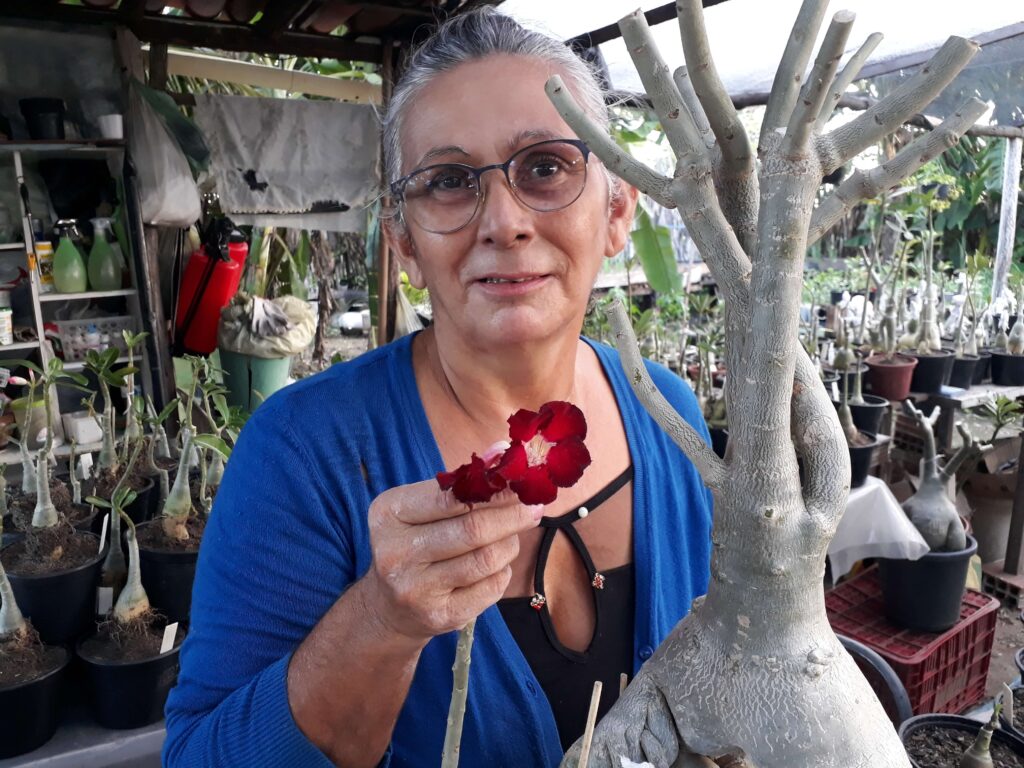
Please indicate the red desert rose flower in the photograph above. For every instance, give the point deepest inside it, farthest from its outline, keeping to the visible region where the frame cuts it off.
(547, 453)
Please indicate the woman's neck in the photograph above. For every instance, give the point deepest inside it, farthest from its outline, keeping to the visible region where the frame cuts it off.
(487, 385)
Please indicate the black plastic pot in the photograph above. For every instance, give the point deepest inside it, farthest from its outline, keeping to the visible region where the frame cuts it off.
(130, 694)
(140, 509)
(983, 369)
(1007, 369)
(30, 711)
(44, 118)
(61, 604)
(932, 371)
(860, 461)
(956, 723)
(719, 440)
(926, 594)
(962, 375)
(867, 417)
(167, 578)
(850, 374)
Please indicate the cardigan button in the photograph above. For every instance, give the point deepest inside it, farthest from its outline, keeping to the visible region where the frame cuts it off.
(646, 652)
(531, 687)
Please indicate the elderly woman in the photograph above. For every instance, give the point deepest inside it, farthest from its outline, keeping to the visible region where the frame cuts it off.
(334, 571)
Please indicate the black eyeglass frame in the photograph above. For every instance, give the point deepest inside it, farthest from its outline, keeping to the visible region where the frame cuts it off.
(398, 186)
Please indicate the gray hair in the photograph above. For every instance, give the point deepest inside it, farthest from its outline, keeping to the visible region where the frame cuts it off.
(476, 35)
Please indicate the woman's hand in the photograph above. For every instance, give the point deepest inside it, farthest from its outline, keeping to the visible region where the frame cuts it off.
(436, 564)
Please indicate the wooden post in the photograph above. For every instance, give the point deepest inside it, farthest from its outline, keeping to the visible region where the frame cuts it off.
(1015, 542)
(1007, 215)
(386, 284)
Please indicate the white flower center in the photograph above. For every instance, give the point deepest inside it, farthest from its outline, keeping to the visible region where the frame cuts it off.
(537, 450)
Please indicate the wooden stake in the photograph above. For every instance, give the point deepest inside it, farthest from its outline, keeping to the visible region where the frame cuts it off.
(588, 734)
(623, 682)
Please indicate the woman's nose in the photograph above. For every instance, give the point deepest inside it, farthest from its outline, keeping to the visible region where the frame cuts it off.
(504, 220)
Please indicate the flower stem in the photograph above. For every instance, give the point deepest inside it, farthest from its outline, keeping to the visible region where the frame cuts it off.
(460, 690)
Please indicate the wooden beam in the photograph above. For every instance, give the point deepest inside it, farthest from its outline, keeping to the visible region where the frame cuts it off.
(390, 5)
(654, 16)
(279, 16)
(195, 33)
(158, 66)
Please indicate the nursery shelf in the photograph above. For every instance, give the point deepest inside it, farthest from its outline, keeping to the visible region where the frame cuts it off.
(12, 246)
(11, 455)
(85, 295)
(19, 345)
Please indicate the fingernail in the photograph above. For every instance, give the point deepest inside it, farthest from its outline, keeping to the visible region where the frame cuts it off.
(537, 510)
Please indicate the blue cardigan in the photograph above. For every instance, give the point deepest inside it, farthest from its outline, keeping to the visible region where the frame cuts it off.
(288, 534)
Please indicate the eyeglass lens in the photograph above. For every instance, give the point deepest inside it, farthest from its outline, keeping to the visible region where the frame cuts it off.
(545, 177)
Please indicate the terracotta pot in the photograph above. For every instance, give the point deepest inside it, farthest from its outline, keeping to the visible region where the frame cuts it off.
(890, 378)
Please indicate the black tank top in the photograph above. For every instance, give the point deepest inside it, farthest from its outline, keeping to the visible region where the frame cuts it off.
(567, 676)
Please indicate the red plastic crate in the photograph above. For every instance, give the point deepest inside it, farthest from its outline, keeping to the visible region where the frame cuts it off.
(941, 672)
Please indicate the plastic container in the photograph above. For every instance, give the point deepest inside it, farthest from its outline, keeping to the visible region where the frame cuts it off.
(167, 577)
(69, 272)
(925, 594)
(30, 711)
(943, 672)
(130, 694)
(92, 338)
(105, 272)
(207, 286)
(6, 326)
(72, 334)
(965, 724)
(44, 265)
(111, 126)
(44, 118)
(60, 604)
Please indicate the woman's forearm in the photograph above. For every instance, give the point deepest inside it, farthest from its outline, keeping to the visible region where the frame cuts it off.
(349, 678)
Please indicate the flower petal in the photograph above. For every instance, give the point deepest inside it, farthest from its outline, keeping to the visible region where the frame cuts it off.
(566, 462)
(471, 483)
(535, 487)
(513, 464)
(566, 420)
(524, 424)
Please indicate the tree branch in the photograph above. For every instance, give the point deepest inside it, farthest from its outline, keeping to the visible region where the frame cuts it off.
(685, 86)
(846, 76)
(970, 447)
(863, 185)
(886, 116)
(927, 425)
(737, 155)
(676, 120)
(710, 467)
(615, 159)
(812, 97)
(790, 73)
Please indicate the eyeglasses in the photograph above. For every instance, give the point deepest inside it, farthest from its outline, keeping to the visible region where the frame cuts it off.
(546, 176)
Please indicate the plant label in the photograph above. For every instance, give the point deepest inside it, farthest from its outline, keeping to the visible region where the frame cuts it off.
(85, 466)
(835, 391)
(104, 600)
(170, 632)
(5, 374)
(103, 530)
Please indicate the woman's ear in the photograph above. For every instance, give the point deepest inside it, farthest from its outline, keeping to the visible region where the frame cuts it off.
(397, 236)
(621, 208)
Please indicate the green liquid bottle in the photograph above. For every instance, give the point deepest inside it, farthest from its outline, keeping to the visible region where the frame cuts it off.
(69, 274)
(104, 264)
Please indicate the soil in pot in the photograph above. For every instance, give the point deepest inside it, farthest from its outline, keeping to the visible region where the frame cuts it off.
(22, 505)
(890, 377)
(151, 536)
(963, 371)
(130, 678)
(22, 558)
(30, 679)
(932, 371)
(861, 449)
(1007, 369)
(936, 746)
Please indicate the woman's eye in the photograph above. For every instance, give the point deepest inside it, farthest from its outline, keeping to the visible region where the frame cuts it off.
(449, 181)
(545, 168)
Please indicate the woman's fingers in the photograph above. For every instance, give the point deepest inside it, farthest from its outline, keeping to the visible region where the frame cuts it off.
(452, 537)
(469, 568)
(425, 502)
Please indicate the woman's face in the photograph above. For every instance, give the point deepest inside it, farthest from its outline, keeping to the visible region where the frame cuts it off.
(478, 114)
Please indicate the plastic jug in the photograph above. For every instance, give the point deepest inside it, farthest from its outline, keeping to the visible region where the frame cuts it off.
(69, 274)
(206, 288)
(104, 263)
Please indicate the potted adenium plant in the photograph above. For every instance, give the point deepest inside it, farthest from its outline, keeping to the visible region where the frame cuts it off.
(1008, 362)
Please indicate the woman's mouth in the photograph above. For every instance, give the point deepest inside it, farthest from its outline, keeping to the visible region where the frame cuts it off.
(511, 285)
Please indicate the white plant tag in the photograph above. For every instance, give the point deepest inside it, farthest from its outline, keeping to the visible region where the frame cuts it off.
(835, 391)
(104, 599)
(170, 632)
(103, 530)
(85, 466)
(5, 374)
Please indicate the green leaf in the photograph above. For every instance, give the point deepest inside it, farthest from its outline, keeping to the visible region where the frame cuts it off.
(11, 364)
(654, 248)
(96, 501)
(167, 411)
(214, 443)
